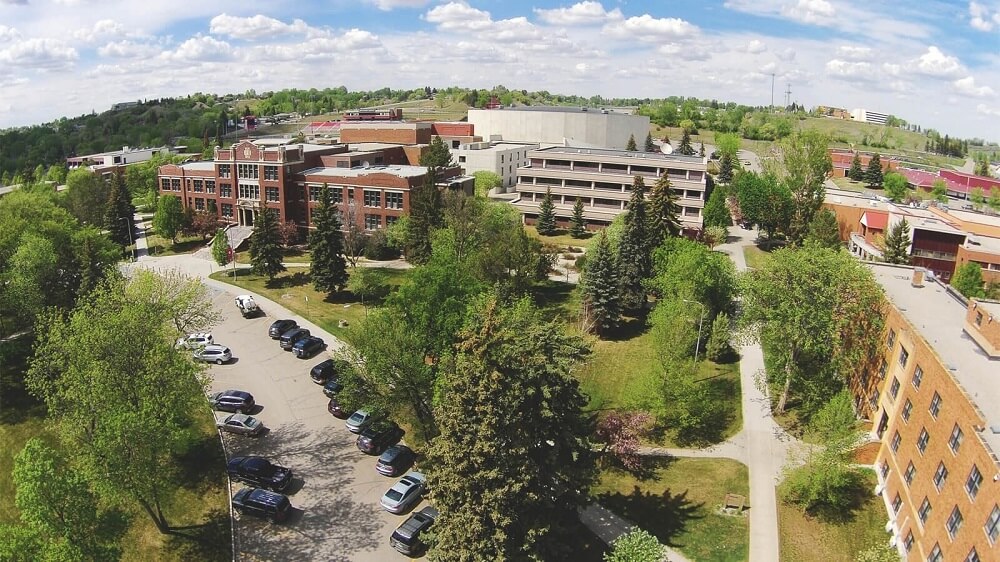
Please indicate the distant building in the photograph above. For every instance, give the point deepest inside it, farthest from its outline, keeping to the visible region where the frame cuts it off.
(123, 105)
(369, 114)
(501, 158)
(127, 155)
(866, 116)
(560, 126)
(396, 132)
(842, 160)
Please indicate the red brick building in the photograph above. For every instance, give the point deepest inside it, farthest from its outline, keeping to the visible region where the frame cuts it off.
(842, 161)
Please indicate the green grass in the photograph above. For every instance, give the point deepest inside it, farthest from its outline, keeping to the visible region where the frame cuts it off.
(804, 538)
(291, 255)
(562, 238)
(755, 257)
(849, 184)
(159, 246)
(679, 501)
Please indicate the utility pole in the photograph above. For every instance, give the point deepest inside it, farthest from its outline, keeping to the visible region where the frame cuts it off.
(788, 95)
(772, 92)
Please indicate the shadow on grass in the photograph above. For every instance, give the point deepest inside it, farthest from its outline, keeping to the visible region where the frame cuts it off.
(202, 462)
(296, 279)
(207, 541)
(630, 327)
(645, 472)
(664, 515)
(16, 404)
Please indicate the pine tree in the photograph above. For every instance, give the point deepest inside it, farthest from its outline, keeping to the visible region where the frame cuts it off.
(855, 172)
(631, 143)
(716, 213)
(265, 245)
(118, 216)
(634, 252)
(578, 225)
(873, 176)
(601, 288)
(664, 213)
(896, 246)
(546, 222)
(437, 155)
(650, 147)
(718, 341)
(726, 168)
(685, 148)
(326, 244)
(425, 215)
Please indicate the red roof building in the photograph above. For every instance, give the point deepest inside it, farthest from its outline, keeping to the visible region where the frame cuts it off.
(971, 181)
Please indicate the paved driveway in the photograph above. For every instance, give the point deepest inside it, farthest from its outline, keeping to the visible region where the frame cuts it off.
(336, 490)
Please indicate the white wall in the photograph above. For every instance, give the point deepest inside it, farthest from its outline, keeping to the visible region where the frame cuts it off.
(590, 128)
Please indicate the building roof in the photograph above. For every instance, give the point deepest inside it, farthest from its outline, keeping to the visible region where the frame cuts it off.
(638, 154)
(202, 165)
(500, 146)
(373, 146)
(973, 217)
(566, 109)
(875, 219)
(854, 199)
(924, 220)
(924, 179)
(985, 244)
(399, 170)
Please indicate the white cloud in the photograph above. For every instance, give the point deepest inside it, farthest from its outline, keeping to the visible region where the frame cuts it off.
(809, 11)
(851, 71)
(787, 54)
(967, 87)
(458, 16)
(352, 40)
(756, 46)
(581, 13)
(936, 64)
(127, 49)
(8, 33)
(648, 28)
(40, 53)
(101, 30)
(254, 27)
(982, 17)
(987, 110)
(685, 52)
(855, 53)
(389, 5)
(201, 48)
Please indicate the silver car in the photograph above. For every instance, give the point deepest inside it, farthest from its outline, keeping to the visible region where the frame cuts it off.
(217, 354)
(195, 341)
(404, 494)
(241, 423)
(358, 421)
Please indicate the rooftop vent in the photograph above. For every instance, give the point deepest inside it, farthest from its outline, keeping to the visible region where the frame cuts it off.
(918, 277)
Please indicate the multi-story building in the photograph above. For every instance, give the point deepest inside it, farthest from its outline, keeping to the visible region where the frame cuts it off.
(396, 132)
(932, 400)
(866, 116)
(603, 180)
(501, 158)
(563, 126)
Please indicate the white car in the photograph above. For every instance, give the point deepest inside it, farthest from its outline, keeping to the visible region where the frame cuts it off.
(404, 494)
(213, 353)
(241, 423)
(195, 341)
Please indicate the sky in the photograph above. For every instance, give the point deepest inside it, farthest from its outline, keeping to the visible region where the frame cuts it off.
(935, 63)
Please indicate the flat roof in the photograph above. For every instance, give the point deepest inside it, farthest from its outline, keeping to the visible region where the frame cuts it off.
(372, 146)
(854, 199)
(385, 125)
(637, 154)
(567, 109)
(204, 165)
(938, 315)
(979, 243)
(974, 217)
(495, 146)
(400, 170)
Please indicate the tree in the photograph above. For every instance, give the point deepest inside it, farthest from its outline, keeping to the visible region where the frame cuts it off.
(939, 191)
(827, 485)
(601, 289)
(118, 217)
(288, 232)
(873, 175)
(726, 168)
(369, 283)
(764, 201)
(824, 230)
(836, 420)
(982, 166)
(674, 329)
(978, 198)
(994, 201)
(93, 254)
(169, 217)
(578, 225)
(880, 552)
(685, 148)
(712, 236)
(220, 248)
(664, 213)
(701, 150)
(855, 172)
(650, 146)
(807, 163)
(86, 196)
(326, 245)
(634, 259)
(32, 269)
(896, 246)
(508, 407)
(896, 187)
(437, 155)
(636, 545)
(718, 340)
(355, 236)
(486, 181)
(425, 215)
(265, 249)
(685, 269)
(716, 213)
(545, 224)
(630, 145)
(621, 434)
(968, 280)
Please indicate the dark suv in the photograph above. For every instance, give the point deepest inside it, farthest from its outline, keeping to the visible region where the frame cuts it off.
(289, 338)
(374, 438)
(279, 327)
(260, 472)
(263, 504)
(327, 370)
(395, 460)
(406, 537)
(308, 346)
(236, 401)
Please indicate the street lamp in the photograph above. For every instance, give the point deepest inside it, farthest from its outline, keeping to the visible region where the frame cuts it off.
(697, 344)
(130, 243)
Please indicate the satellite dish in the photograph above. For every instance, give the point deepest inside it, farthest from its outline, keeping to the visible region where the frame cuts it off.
(666, 148)
(365, 164)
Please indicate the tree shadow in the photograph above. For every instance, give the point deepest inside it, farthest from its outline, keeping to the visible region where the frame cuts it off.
(297, 279)
(202, 462)
(664, 515)
(206, 541)
(630, 327)
(16, 403)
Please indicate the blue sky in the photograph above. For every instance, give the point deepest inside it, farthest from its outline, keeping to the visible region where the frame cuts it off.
(936, 63)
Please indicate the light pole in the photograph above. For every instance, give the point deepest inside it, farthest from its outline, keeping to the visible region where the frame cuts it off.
(697, 343)
(130, 227)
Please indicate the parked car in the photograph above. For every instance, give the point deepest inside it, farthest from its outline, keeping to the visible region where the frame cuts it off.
(332, 388)
(358, 421)
(377, 436)
(404, 494)
(308, 346)
(261, 503)
(289, 338)
(329, 369)
(195, 341)
(236, 401)
(248, 307)
(394, 460)
(259, 472)
(406, 537)
(242, 424)
(279, 327)
(333, 406)
(213, 353)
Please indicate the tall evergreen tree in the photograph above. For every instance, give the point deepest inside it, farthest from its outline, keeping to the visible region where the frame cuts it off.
(725, 168)
(685, 148)
(716, 213)
(578, 225)
(873, 175)
(601, 288)
(664, 213)
(265, 245)
(897, 244)
(631, 143)
(326, 244)
(650, 146)
(425, 215)
(437, 155)
(118, 216)
(546, 222)
(855, 172)
(634, 253)
(824, 230)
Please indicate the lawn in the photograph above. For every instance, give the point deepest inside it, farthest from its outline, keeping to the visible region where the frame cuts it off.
(291, 255)
(850, 185)
(809, 539)
(562, 238)
(679, 501)
(160, 246)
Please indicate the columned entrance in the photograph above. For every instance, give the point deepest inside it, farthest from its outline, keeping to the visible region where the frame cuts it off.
(247, 216)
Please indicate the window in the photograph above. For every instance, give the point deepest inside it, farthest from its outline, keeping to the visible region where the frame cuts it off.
(972, 556)
(210, 186)
(897, 502)
(391, 220)
(227, 210)
(175, 184)
(925, 510)
(247, 171)
(873, 402)
(907, 408)
(271, 193)
(393, 200)
(973, 481)
(271, 173)
(199, 204)
(884, 468)
(895, 442)
(904, 356)
(249, 191)
(882, 369)
(314, 192)
(908, 541)
(935, 405)
(954, 522)
(225, 171)
(373, 222)
(372, 198)
(911, 471)
(891, 340)
(461, 159)
(922, 440)
(164, 184)
(935, 555)
(894, 389)
(979, 319)
(199, 186)
(992, 526)
(940, 475)
(955, 442)
(918, 377)
(225, 190)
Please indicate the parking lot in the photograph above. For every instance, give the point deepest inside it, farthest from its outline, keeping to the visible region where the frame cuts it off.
(336, 489)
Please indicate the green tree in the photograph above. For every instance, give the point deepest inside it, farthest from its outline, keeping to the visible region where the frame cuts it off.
(265, 245)
(485, 181)
(806, 161)
(634, 259)
(636, 545)
(93, 254)
(968, 280)
(716, 213)
(726, 168)
(578, 225)
(896, 246)
(650, 146)
(982, 166)
(939, 190)
(674, 325)
(685, 269)
(824, 230)
(855, 172)
(509, 407)
(630, 145)
(169, 217)
(896, 187)
(994, 200)
(326, 245)
(978, 197)
(425, 216)
(880, 552)
(220, 248)
(86, 196)
(685, 148)
(764, 201)
(32, 270)
(712, 236)
(873, 175)
(664, 213)
(601, 289)
(369, 283)
(118, 217)
(717, 346)
(836, 420)
(727, 143)
(827, 485)
(545, 224)
(437, 155)
(701, 150)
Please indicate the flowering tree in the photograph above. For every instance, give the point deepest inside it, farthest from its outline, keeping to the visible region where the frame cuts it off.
(620, 433)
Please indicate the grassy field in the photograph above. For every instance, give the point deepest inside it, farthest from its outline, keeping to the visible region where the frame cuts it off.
(562, 238)
(754, 256)
(850, 185)
(808, 539)
(159, 246)
(292, 255)
(679, 501)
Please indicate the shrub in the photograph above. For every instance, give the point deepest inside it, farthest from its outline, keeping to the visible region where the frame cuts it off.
(377, 247)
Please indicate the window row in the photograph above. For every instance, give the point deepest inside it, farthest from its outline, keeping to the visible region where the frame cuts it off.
(371, 198)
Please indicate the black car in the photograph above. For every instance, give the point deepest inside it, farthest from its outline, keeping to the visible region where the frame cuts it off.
(236, 401)
(279, 327)
(335, 408)
(406, 537)
(259, 472)
(261, 503)
(395, 460)
(308, 346)
(327, 370)
(332, 388)
(289, 338)
(375, 437)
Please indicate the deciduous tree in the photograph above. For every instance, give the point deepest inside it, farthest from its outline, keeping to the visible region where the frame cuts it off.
(636, 545)
(601, 289)
(716, 213)
(220, 248)
(265, 247)
(895, 186)
(86, 196)
(578, 225)
(968, 280)
(765, 202)
(369, 283)
(806, 163)
(169, 217)
(994, 200)
(621, 433)
(896, 246)
(485, 181)
(978, 197)
(824, 230)
(939, 191)
(545, 224)
(326, 246)
(634, 259)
